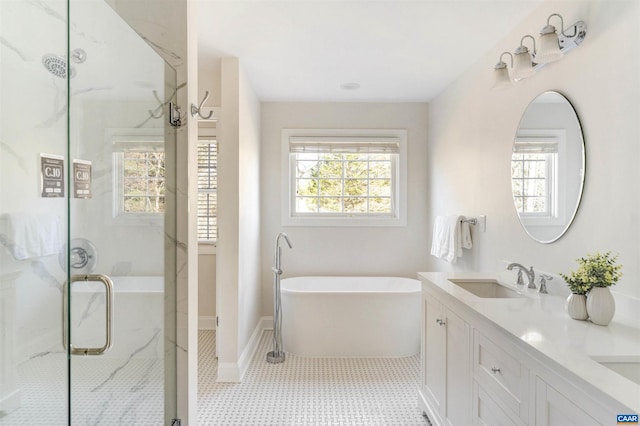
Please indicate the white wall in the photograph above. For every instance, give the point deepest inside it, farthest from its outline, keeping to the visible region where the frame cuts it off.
(472, 129)
(228, 200)
(206, 291)
(399, 251)
(238, 260)
(209, 80)
(249, 211)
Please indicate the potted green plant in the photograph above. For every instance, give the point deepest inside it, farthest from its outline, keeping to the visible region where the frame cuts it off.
(576, 304)
(595, 274)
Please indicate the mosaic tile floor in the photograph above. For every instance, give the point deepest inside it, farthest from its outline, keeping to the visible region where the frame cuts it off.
(300, 391)
(309, 391)
(105, 392)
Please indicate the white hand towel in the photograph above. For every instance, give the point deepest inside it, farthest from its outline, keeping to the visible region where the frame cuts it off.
(31, 235)
(447, 243)
(450, 236)
(465, 236)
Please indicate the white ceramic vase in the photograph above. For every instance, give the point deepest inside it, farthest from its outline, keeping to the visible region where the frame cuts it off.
(577, 306)
(600, 305)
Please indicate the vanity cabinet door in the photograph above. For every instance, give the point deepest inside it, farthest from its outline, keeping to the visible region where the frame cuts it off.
(446, 365)
(555, 409)
(433, 357)
(486, 412)
(458, 370)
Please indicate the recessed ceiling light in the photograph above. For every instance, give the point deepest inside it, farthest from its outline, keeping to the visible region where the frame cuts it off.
(350, 86)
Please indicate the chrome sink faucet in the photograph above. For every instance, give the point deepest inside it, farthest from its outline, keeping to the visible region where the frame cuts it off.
(530, 274)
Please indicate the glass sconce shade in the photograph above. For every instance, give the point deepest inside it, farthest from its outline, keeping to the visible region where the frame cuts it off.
(501, 78)
(549, 46)
(522, 63)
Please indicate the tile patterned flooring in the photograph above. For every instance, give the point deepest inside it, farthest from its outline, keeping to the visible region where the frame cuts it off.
(309, 391)
(105, 392)
(300, 391)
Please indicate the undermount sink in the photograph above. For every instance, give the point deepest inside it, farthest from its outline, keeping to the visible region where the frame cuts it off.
(487, 289)
(628, 367)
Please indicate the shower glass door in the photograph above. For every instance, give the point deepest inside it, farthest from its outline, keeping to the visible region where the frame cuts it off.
(33, 219)
(87, 259)
(119, 156)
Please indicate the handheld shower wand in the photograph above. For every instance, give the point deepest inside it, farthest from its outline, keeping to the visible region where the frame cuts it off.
(277, 355)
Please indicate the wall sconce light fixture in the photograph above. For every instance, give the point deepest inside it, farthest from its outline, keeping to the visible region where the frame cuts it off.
(523, 60)
(501, 76)
(553, 46)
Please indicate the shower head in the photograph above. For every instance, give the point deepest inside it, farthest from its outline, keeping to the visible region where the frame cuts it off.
(57, 65)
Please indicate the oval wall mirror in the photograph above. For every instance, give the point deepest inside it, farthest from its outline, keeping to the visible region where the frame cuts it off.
(548, 167)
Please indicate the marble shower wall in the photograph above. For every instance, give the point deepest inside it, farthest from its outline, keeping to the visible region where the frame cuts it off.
(33, 108)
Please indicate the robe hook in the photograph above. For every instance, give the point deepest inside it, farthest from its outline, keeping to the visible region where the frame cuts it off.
(195, 110)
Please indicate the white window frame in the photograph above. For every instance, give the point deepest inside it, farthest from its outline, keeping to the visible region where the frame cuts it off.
(399, 180)
(115, 139)
(208, 134)
(557, 209)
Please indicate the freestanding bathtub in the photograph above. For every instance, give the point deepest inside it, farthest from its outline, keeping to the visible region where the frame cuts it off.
(351, 316)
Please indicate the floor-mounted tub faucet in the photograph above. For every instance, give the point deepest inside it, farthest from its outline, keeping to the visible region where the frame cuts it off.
(278, 252)
(277, 355)
(530, 274)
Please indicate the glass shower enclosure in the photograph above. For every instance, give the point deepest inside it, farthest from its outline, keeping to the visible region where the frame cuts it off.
(87, 254)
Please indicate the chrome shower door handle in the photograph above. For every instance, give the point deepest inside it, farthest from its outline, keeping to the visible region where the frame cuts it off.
(108, 285)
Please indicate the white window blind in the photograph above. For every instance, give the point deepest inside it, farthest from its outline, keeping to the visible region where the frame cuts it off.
(207, 191)
(370, 145)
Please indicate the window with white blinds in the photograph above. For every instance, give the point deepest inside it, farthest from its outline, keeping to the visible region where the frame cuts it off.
(207, 191)
(350, 179)
(534, 176)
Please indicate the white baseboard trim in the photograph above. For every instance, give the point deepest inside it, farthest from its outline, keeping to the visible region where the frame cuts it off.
(234, 372)
(206, 323)
(268, 322)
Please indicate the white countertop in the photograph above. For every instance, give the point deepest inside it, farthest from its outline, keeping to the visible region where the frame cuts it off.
(540, 321)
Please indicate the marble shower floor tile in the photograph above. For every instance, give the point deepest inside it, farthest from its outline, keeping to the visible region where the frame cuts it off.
(105, 392)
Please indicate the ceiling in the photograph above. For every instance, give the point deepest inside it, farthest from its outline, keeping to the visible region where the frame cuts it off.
(305, 50)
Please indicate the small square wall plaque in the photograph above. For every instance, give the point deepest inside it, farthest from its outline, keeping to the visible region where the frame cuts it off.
(81, 179)
(51, 176)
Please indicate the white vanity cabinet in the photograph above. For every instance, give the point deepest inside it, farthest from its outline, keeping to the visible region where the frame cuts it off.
(555, 409)
(499, 370)
(486, 412)
(477, 367)
(445, 384)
